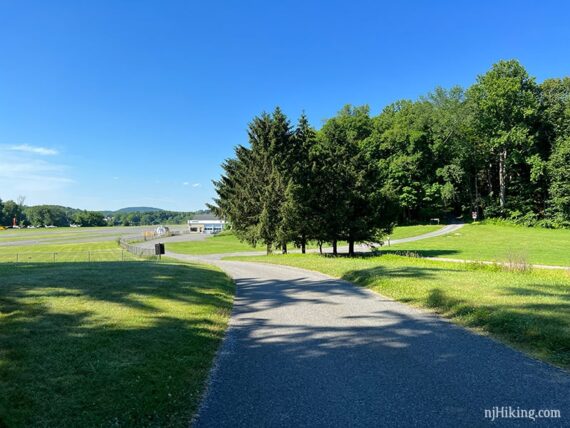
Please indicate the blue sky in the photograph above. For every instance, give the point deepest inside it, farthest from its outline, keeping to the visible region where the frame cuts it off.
(107, 104)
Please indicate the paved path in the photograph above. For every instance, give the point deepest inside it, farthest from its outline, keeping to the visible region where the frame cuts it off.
(303, 349)
(450, 228)
(361, 248)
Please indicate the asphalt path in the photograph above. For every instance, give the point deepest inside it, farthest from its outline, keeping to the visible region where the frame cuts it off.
(445, 230)
(359, 247)
(303, 349)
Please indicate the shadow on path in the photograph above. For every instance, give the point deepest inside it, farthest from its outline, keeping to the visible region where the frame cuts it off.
(305, 350)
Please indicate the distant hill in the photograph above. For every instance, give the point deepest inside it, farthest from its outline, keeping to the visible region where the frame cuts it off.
(137, 209)
(129, 210)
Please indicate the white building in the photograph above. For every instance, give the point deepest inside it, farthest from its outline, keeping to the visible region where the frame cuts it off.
(206, 223)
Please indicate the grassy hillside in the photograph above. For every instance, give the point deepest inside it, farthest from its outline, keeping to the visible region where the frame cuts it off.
(497, 243)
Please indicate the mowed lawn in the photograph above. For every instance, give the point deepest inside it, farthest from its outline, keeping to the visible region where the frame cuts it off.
(61, 233)
(227, 242)
(529, 310)
(496, 243)
(108, 344)
(215, 244)
(88, 251)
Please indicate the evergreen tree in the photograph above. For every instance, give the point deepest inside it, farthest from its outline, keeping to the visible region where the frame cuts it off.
(298, 216)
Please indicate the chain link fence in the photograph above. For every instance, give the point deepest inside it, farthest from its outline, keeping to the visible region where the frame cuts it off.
(128, 251)
(145, 253)
(68, 256)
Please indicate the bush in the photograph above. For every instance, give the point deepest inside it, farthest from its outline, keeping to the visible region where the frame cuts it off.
(528, 220)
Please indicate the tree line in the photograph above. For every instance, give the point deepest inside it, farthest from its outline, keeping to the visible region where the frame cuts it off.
(55, 215)
(499, 149)
(139, 218)
(17, 213)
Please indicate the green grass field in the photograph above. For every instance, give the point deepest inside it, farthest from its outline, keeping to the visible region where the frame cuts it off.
(108, 344)
(63, 233)
(229, 243)
(530, 311)
(70, 252)
(71, 234)
(215, 244)
(496, 243)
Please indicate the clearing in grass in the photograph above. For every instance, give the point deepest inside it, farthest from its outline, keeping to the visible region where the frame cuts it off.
(108, 344)
(529, 310)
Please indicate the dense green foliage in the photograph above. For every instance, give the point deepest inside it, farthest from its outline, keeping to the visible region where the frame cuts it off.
(138, 218)
(501, 148)
(299, 185)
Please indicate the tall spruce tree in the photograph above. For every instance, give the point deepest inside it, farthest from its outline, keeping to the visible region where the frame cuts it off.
(298, 215)
(282, 157)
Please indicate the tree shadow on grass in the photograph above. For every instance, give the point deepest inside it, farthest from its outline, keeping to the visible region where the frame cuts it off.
(99, 344)
(367, 277)
(538, 327)
(540, 290)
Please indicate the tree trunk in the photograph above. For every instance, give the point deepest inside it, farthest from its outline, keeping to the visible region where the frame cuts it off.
(490, 179)
(320, 247)
(303, 247)
(335, 252)
(351, 247)
(268, 249)
(476, 203)
(284, 248)
(502, 179)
